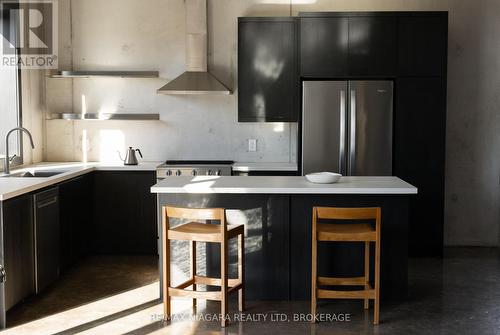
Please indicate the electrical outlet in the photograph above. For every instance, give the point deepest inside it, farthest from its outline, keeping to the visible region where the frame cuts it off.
(252, 144)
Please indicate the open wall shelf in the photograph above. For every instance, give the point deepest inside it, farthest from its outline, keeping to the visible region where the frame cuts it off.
(105, 116)
(97, 74)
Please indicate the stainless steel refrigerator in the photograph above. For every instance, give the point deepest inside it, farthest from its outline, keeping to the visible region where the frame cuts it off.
(347, 127)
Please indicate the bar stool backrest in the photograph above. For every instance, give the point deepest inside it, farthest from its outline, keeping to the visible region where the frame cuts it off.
(195, 214)
(339, 213)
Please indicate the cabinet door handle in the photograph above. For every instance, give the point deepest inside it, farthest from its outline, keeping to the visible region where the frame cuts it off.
(3, 274)
(47, 202)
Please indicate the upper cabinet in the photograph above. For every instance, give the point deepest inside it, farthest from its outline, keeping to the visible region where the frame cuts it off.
(423, 42)
(324, 46)
(347, 45)
(372, 46)
(276, 53)
(267, 70)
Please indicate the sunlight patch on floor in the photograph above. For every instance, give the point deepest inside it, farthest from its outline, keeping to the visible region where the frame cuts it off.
(126, 324)
(103, 316)
(144, 322)
(88, 312)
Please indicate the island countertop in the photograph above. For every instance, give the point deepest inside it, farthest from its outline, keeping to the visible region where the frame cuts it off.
(282, 185)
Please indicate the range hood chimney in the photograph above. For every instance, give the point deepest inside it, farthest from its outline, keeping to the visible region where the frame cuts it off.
(196, 79)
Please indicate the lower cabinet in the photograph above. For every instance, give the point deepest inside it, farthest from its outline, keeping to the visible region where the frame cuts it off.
(42, 233)
(76, 215)
(124, 213)
(18, 260)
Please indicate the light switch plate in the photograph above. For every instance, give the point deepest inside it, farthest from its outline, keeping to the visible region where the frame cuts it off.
(252, 144)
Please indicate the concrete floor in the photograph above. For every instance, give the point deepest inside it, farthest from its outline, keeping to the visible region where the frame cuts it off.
(92, 279)
(458, 294)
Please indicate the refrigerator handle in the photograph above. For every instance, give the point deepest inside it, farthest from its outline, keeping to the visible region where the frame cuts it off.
(342, 153)
(352, 133)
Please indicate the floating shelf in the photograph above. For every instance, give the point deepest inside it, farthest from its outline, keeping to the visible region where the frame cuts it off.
(94, 74)
(105, 116)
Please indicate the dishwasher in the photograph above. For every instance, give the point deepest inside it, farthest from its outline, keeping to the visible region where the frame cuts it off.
(47, 238)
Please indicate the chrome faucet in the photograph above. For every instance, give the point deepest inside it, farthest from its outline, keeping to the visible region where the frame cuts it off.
(6, 168)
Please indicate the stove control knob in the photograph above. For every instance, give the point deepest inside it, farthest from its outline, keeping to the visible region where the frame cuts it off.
(169, 172)
(193, 173)
(178, 173)
(218, 173)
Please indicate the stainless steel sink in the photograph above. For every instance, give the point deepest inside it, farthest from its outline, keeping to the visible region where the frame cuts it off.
(35, 174)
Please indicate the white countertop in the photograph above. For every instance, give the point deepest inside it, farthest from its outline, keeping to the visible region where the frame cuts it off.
(13, 186)
(282, 185)
(245, 167)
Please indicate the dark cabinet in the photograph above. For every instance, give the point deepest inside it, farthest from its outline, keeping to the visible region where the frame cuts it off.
(336, 45)
(18, 260)
(372, 46)
(76, 217)
(411, 48)
(324, 46)
(47, 238)
(267, 70)
(44, 232)
(407, 47)
(419, 157)
(124, 213)
(422, 44)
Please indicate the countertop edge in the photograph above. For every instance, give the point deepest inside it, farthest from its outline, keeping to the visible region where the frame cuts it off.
(283, 185)
(388, 191)
(79, 170)
(40, 183)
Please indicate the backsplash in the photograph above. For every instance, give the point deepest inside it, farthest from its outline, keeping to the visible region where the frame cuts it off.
(195, 127)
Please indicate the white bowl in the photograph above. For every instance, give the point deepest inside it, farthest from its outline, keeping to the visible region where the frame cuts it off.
(323, 177)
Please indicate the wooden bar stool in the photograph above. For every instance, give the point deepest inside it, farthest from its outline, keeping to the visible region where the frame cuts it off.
(347, 232)
(197, 231)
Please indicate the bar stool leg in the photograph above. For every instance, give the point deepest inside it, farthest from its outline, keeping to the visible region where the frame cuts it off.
(313, 269)
(166, 277)
(367, 272)
(223, 276)
(377, 280)
(192, 249)
(241, 271)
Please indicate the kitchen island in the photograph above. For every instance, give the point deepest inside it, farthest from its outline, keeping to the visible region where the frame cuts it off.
(277, 211)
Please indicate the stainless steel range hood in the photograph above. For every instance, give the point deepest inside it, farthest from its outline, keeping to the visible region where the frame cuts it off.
(196, 79)
(194, 82)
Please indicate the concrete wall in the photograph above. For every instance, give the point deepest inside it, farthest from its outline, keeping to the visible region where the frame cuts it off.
(139, 34)
(150, 35)
(33, 114)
